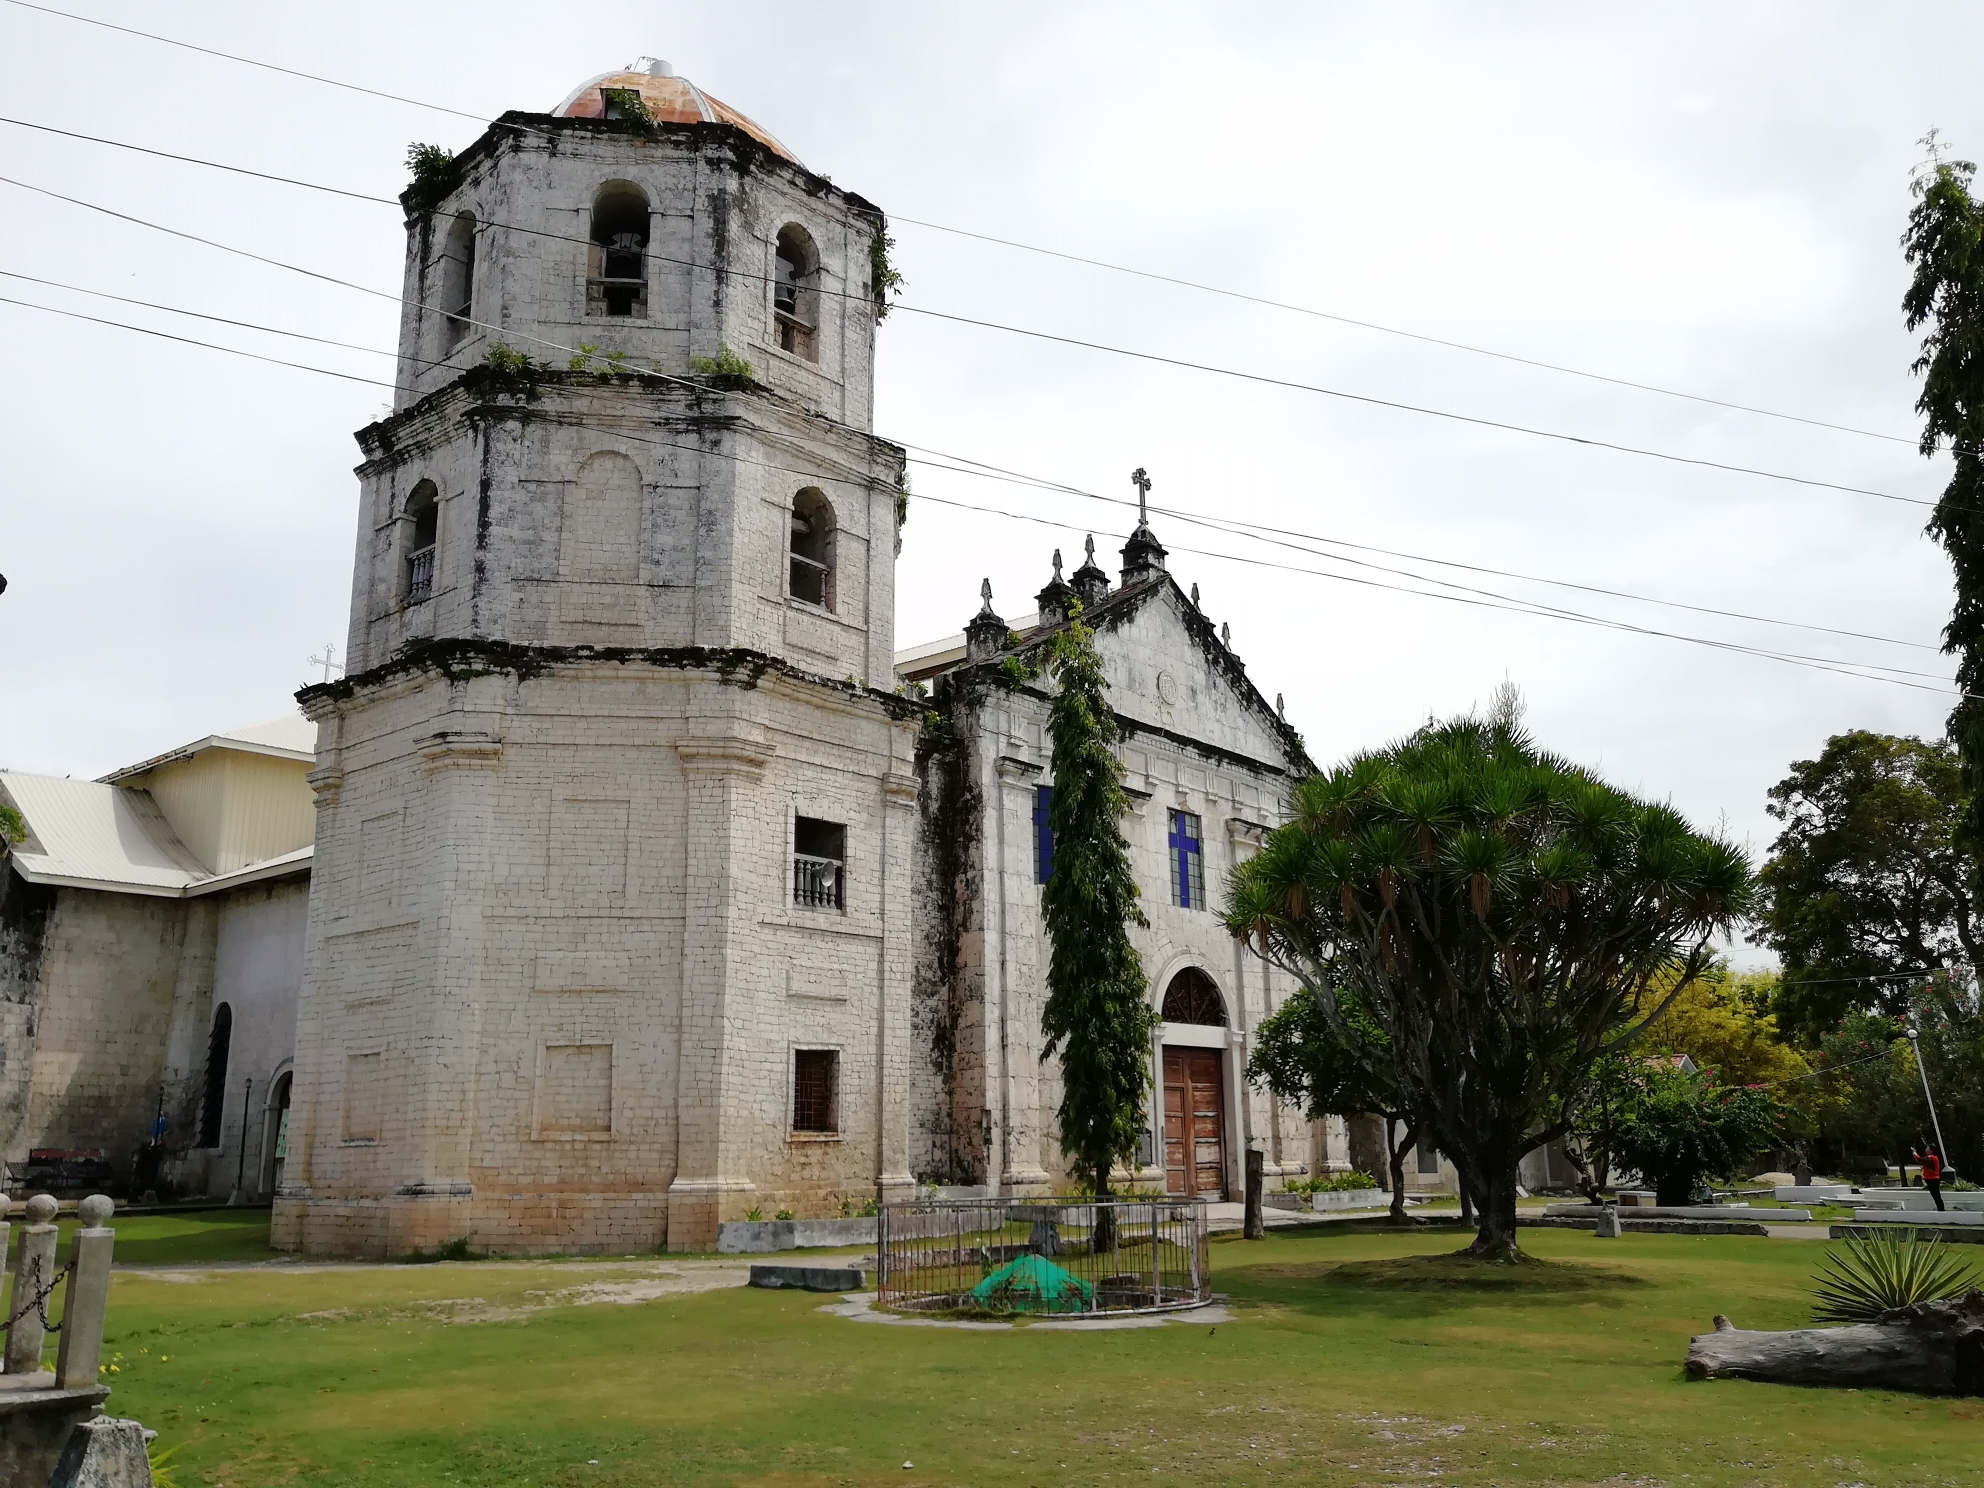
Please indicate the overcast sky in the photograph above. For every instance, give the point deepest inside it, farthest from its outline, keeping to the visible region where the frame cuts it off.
(1703, 197)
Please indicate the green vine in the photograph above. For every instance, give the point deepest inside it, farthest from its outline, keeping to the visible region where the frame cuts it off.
(632, 109)
(434, 175)
(13, 826)
(590, 358)
(726, 363)
(512, 370)
(902, 499)
(883, 280)
(1012, 672)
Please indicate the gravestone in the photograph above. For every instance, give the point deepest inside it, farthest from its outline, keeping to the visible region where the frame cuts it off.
(1608, 1223)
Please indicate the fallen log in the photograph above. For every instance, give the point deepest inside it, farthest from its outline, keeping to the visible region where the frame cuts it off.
(1933, 1347)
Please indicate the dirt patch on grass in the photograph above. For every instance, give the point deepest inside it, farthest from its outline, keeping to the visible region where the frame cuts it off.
(1460, 1273)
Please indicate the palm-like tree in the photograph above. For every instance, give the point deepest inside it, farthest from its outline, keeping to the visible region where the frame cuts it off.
(1501, 915)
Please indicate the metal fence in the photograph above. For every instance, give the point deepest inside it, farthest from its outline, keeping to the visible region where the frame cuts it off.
(1032, 1256)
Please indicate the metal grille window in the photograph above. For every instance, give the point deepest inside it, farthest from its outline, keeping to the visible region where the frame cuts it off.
(1188, 871)
(819, 860)
(815, 1090)
(1429, 1162)
(1043, 834)
(215, 1095)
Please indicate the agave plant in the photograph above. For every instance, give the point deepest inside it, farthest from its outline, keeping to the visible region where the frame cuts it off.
(1885, 1270)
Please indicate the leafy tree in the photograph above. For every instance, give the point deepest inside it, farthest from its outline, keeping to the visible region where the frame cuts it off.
(1096, 1016)
(1596, 1119)
(1299, 1058)
(1945, 243)
(1868, 1089)
(1868, 883)
(1682, 1128)
(1501, 915)
(1724, 1022)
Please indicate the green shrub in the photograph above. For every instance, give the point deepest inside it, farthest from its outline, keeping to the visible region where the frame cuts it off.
(726, 363)
(1891, 1268)
(1344, 1182)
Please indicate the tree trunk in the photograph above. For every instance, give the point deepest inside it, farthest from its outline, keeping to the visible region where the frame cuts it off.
(1495, 1237)
(1395, 1155)
(1253, 1225)
(1672, 1192)
(1937, 1347)
(1102, 1237)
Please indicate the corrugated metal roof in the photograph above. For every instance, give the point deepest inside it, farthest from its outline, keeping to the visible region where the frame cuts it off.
(290, 737)
(85, 834)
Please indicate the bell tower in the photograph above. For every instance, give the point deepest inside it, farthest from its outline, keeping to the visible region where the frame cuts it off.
(624, 576)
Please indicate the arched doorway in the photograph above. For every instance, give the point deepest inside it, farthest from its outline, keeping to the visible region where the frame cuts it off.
(275, 1133)
(1194, 1086)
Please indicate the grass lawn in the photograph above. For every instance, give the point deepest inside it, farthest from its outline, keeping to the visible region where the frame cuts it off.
(204, 1237)
(469, 1373)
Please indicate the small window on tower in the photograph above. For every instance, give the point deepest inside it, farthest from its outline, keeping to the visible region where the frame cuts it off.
(423, 517)
(812, 566)
(819, 863)
(796, 293)
(816, 1091)
(617, 276)
(458, 278)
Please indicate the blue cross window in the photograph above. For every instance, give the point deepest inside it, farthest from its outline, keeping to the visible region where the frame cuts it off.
(1043, 834)
(1188, 864)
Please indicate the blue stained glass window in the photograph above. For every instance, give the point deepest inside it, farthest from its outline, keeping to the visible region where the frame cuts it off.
(1188, 872)
(1043, 834)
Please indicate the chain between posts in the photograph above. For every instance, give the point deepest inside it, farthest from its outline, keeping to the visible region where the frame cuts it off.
(39, 1302)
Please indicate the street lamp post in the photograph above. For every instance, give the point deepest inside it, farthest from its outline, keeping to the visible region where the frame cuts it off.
(1915, 1043)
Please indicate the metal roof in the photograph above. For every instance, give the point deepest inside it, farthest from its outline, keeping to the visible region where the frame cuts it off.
(86, 834)
(291, 736)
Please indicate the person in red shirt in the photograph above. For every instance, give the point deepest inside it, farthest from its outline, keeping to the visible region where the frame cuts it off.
(1931, 1163)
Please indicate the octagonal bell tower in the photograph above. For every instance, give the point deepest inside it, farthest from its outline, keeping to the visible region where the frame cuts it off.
(607, 935)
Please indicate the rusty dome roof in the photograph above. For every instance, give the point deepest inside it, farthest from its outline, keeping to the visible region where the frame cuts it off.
(669, 99)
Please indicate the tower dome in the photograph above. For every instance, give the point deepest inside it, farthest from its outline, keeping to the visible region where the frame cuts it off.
(667, 98)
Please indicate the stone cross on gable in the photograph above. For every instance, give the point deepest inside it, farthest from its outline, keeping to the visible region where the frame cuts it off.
(1142, 482)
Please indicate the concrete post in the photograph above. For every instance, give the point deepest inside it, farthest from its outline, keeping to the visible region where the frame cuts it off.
(1255, 1227)
(1608, 1223)
(34, 1271)
(89, 1296)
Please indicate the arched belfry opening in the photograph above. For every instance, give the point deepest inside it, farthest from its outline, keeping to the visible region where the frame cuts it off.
(616, 268)
(812, 564)
(796, 293)
(458, 277)
(1194, 1085)
(423, 535)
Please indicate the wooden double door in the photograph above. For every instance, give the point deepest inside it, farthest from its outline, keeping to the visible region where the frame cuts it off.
(1195, 1122)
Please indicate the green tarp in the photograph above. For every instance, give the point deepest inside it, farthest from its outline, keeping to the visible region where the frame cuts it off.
(1033, 1284)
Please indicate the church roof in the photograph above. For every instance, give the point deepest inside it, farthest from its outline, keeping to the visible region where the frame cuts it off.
(86, 834)
(291, 736)
(668, 99)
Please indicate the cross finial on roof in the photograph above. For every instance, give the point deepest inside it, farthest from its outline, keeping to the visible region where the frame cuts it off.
(1057, 566)
(1142, 482)
(985, 593)
(327, 661)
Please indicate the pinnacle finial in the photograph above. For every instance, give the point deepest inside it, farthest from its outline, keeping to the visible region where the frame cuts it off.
(985, 594)
(1279, 706)
(1195, 596)
(1226, 635)
(1089, 547)
(1142, 482)
(1057, 566)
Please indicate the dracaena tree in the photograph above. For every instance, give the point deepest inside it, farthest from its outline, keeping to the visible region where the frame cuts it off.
(1506, 920)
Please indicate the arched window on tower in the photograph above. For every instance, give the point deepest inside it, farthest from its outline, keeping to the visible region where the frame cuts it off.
(616, 273)
(1193, 997)
(423, 534)
(214, 1100)
(458, 277)
(796, 293)
(813, 549)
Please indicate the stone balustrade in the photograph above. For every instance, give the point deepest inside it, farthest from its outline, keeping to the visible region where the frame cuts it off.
(40, 1408)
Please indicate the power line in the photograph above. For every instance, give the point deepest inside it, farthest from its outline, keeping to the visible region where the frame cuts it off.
(1155, 357)
(1034, 248)
(1243, 528)
(1859, 670)
(1371, 325)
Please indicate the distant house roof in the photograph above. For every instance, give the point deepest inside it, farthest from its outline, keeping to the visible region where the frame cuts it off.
(291, 736)
(87, 834)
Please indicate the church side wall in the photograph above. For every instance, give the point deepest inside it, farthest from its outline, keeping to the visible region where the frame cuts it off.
(109, 964)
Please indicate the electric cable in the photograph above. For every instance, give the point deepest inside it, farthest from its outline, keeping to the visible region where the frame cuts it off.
(1489, 599)
(1149, 356)
(1191, 284)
